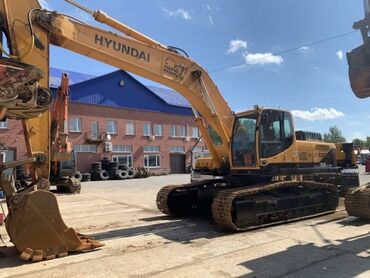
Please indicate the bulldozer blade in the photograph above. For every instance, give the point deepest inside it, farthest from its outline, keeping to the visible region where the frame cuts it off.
(37, 230)
(359, 70)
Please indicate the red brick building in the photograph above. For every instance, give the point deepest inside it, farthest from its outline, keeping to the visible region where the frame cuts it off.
(116, 116)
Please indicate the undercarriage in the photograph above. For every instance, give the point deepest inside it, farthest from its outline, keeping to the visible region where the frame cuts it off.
(250, 206)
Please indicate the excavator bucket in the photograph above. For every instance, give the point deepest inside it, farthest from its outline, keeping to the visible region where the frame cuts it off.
(36, 228)
(359, 70)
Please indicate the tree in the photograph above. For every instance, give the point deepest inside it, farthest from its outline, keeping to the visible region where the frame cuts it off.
(334, 135)
(367, 142)
(358, 142)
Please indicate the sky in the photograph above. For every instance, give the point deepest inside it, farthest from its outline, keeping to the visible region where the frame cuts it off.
(311, 81)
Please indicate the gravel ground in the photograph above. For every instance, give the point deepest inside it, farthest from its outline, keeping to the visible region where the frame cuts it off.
(142, 242)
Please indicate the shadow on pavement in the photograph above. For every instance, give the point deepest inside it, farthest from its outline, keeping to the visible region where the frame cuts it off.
(354, 221)
(339, 259)
(179, 230)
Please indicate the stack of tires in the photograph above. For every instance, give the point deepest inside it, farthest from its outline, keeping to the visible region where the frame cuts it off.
(112, 169)
(78, 176)
(97, 173)
(86, 177)
(106, 169)
(142, 172)
(126, 172)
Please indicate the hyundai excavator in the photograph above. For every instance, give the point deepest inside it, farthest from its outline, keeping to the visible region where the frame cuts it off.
(357, 202)
(261, 173)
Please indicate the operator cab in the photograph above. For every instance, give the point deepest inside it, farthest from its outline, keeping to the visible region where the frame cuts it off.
(259, 134)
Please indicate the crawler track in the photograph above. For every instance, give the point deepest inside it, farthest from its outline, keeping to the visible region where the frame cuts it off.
(165, 205)
(245, 208)
(357, 202)
(264, 209)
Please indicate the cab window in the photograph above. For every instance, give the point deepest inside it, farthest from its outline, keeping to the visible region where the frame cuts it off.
(276, 132)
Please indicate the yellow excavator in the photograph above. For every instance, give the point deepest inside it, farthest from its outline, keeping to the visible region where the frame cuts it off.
(260, 173)
(357, 202)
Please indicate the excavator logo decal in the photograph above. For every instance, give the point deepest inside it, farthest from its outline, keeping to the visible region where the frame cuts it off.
(120, 47)
(171, 68)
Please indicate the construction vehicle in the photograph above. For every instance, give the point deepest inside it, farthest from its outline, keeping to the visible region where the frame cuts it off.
(63, 166)
(265, 175)
(357, 202)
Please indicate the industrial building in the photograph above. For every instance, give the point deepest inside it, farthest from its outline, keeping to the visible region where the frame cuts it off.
(118, 117)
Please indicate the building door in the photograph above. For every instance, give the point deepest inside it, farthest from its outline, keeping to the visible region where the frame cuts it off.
(177, 163)
(94, 130)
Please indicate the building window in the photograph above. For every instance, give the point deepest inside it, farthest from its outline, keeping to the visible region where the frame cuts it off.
(111, 127)
(147, 129)
(4, 124)
(123, 159)
(158, 130)
(182, 131)
(198, 149)
(85, 148)
(75, 125)
(177, 131)
(130, 128)
(122, 149)
(152, 161)
(173, 131)
(152, 149)
(195, 132)
(177, 149)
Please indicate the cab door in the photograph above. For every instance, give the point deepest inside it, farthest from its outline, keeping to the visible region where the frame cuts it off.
(243, 145)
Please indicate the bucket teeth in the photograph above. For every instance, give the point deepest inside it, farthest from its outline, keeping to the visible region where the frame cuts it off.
(38, 255)
(87, 244)
(26, 254)
(63, 254)
(50, 255)
(38, 231)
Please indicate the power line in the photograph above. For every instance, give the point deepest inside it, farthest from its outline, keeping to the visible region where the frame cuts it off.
(286, 51)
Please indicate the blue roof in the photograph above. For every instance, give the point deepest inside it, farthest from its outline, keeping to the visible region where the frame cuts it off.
(74, 77)
(170, 97)
(119, 89)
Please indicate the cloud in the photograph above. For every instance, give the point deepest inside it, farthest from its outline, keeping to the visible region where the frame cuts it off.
(304, 49)
(235, 45)
(316, 114)
(44, 4)
(262, 58)
(209, 7)
(211, 20)
(340, 54)
(179, 12)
